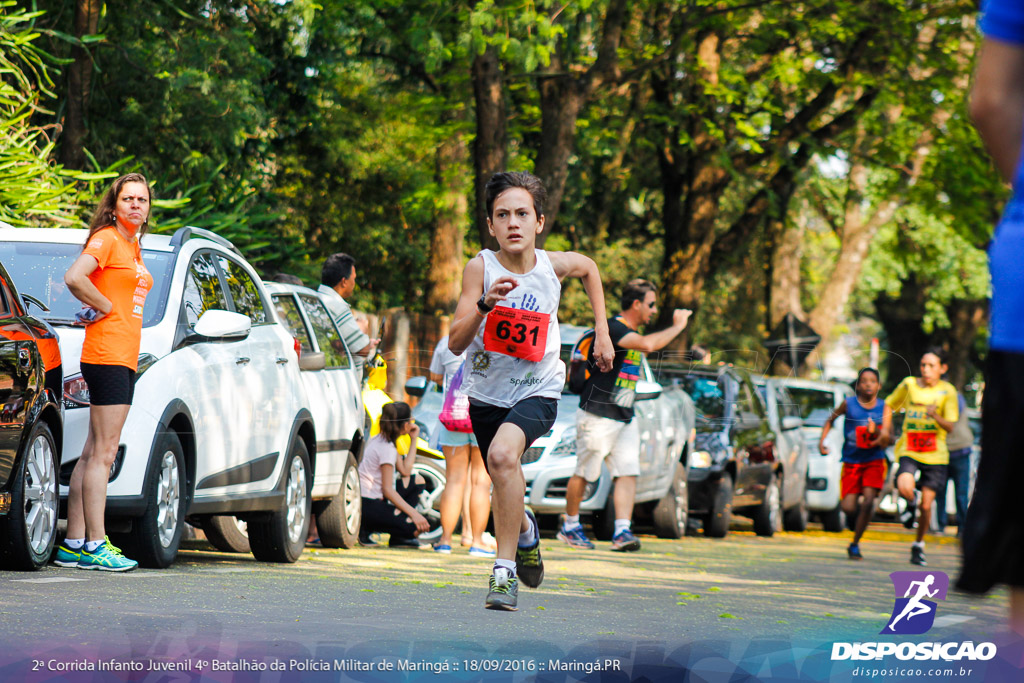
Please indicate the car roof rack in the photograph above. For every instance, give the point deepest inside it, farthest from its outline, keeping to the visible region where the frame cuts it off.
(182, 235)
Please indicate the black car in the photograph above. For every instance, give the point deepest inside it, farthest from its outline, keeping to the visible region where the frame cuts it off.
(735, 466)
(30, 432)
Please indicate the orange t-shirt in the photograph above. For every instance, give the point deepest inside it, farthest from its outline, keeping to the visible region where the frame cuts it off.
(123, 278)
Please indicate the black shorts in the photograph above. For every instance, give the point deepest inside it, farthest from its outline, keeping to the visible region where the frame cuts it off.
(109, 385)
(932, 476)
(993, 537)
(535, 416)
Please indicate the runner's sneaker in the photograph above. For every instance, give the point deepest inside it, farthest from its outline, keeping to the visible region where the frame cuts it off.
(625, 541)
(504, 591)
(529, 565)
(575, 537)
(66, 557)
(106, 558)
(482, 552)
(853, 552)
(908, 515)
(917, 556)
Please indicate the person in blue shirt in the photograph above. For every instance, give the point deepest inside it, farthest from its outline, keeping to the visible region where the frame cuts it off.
(993, 538)
(866, 431)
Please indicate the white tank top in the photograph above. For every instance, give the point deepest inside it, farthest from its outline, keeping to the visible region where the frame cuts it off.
(497, 369)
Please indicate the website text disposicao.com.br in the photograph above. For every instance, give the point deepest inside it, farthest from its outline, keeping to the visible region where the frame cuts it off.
(944, 672)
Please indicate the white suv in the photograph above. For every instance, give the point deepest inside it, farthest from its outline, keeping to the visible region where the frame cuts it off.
(220, 423)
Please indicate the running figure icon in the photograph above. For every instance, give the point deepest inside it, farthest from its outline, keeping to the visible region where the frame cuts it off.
(915, 606)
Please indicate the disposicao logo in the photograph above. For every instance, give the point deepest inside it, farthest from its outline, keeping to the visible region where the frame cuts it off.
(913, 614)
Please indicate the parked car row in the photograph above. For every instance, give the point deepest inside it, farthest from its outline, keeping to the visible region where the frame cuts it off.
(248, 404)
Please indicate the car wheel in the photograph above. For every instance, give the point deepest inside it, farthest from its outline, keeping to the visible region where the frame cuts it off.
(282, 536)
(795, 518)
(716, 523)
(156, 534)
(338, 523)
(29, 529)
(671, 512)
(833, 521)
(227, 533)
(429, 505)
(768, 515)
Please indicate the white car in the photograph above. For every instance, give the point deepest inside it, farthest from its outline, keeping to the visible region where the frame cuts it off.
(332, 381)
(220, 423)
(815, 402)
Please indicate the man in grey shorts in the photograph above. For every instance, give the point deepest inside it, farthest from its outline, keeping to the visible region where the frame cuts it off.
(605, 428)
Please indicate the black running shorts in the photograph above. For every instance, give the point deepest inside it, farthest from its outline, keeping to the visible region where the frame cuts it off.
(109, 385)
(534, 415)
(932, 476)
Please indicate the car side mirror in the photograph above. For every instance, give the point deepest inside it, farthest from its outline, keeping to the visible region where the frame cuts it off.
(218, 325)
(417, 386)
(645, 390)
(791, 422)
(312, 361)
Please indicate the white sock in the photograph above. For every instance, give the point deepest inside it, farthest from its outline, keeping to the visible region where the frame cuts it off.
(506, 564)
(620, 526)
(571, 522)
(74, 543)
(92, 546)
(529, 537)
(919, 544)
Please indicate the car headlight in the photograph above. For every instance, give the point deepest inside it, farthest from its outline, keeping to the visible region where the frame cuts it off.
(700, 459)
(76, 391)
(566, 446)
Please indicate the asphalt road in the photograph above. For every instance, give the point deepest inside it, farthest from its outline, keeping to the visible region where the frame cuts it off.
(725, 595)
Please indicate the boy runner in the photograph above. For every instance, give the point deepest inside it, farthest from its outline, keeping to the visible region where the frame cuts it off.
(506, 324)
(931, 407)
(866, 432)
(605, 428)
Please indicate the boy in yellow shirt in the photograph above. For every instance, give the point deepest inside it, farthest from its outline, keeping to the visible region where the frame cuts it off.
(931, 410)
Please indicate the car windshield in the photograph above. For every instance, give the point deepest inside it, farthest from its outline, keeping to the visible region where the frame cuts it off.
(38, 268)
(815, 406)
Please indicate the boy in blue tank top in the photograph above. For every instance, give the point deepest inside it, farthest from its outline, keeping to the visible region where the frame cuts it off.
(506, 322)
(866, 431)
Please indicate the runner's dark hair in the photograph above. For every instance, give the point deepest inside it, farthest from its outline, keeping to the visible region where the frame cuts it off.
(506, 180)
(635, 290)
(393, 417)
(936, 351)
(860, 374)
(336, 268)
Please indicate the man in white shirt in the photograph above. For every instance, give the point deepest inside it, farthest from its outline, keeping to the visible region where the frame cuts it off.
(337, 282)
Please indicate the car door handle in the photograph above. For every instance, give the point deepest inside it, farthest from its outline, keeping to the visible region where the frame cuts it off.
(281, 360)
(241, 361)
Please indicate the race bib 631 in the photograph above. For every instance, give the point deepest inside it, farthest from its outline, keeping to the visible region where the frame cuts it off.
(518, 333)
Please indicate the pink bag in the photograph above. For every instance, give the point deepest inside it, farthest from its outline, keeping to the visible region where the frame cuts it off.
(455, 409)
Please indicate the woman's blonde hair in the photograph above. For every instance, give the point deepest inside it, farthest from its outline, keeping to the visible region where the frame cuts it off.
(104, 214)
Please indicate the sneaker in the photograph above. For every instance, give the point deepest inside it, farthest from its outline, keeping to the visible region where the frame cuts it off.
(107, 558)
(368, 542)
(529, 565)
(443, 548)
(504, 591)
(853, 552)
(394, 542)
(917, 556)
(66, 557)
(625, 542)
(575, 537)
(908, 516)
(482, 552)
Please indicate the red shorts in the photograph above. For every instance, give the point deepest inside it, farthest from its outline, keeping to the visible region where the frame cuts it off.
(858, 476)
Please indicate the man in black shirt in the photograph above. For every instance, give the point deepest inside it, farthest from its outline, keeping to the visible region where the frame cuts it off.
(605, 428)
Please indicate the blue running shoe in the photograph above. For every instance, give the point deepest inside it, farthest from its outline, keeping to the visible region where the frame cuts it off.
(575, 537)
(66, 557)
(107, 558)
(482, 552)
(443, 548)
(625, 541)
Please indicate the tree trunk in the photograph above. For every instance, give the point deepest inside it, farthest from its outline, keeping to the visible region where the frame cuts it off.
(965, 318)
(446, 244)
(489, 147)
(72, 150)
(561, 100)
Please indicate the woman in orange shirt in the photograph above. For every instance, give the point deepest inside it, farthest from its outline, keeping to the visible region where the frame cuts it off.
(110, 278)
